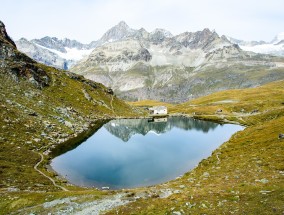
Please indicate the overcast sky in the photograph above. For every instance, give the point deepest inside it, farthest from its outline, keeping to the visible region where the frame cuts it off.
(87, 20)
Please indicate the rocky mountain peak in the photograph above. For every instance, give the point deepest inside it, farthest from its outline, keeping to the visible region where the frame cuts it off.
(141, 34)
(159, 35)
(4, 36)
(119, 31)
(206, 33)
(122, 24)
(278, 38)
(163, 32)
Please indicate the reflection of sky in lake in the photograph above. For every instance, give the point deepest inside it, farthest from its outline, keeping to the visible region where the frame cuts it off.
(106, 160)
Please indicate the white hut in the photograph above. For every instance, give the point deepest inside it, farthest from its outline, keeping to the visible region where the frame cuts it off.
(158, 110)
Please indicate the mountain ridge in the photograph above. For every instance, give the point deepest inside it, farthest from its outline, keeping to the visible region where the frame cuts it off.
(177, 68)
(157, 65)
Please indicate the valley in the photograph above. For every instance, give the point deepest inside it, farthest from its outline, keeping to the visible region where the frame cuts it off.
(44, 108)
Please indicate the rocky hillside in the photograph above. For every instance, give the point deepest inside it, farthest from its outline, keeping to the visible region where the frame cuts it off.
(140, 65)
(41, 107)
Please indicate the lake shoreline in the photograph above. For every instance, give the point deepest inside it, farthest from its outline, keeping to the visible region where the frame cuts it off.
(92, 131)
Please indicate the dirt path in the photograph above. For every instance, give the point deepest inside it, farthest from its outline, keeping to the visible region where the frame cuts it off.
(53, 182)
(111, 103)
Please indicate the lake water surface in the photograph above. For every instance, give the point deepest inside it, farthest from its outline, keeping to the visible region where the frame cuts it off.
(127, 153)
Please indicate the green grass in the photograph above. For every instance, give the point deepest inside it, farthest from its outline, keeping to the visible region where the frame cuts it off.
(239, 171)
(245, 175)
(31, 121)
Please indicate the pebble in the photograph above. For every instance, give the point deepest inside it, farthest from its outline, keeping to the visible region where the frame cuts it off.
(206, 174)
(264, 180)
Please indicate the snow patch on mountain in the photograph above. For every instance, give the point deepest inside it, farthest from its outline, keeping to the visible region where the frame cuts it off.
(265, 49)
(275, 47)
(73, 54)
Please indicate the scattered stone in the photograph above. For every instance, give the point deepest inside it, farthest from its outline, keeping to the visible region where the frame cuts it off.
(206, 174)
(87, 95)
(165, 193)
(58, 202)
(264, 180)
(188, 204)
(68, 124)
(265, 191)
(182, 186)
(177, 213)
(109, 91)
(13, 189)
(237, 198)
(219, 111)
(281, 136)
(177, 191)
(33, 114)
(220, 204)
(191, 180)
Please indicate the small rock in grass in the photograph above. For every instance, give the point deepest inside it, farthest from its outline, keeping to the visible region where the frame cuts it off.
(206, 174)
(68, 124)
(264, 181)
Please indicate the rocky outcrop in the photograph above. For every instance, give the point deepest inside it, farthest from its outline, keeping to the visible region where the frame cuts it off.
(18, 65)
(118, 32)
(4, 36)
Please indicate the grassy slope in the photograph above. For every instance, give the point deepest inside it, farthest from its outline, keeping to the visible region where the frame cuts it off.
(245, 175)
(33, 120)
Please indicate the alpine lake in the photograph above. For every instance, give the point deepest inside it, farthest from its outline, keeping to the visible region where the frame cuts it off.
(129, 153)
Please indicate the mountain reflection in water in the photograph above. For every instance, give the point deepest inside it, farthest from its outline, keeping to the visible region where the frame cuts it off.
(125, 128)
(155, 152)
